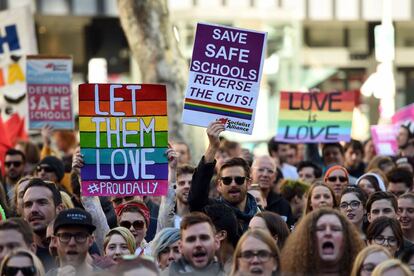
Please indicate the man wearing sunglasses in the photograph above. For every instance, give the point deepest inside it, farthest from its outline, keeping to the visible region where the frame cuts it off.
(50, 168)
(232, 181)
(73, 230)
(14, 163)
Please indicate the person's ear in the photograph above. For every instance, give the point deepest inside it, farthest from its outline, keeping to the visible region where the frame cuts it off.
(369, 217)
(60, 208)
(33, 248)
(275, 237)
(221, 235)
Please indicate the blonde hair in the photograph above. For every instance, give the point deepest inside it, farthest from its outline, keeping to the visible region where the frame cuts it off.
(40, 271)
(16, 188)
(389, 264)
(124, 233)
(66, 201)
(363, 254)
(262, 236)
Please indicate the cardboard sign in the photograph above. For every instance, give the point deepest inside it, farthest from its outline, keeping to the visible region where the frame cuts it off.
(315, 117)
(224, 80)
(17, 39)
(403, 115)
(49, 90)
(384, 139)
(123, 137)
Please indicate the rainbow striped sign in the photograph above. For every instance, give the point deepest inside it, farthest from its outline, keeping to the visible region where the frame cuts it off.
(315, 117)
(224, 80)
(123, 136)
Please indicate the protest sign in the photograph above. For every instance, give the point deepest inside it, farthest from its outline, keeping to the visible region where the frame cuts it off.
(224, 80)
(384, 139)
(49, 90)
(315, 117)
(123, 136)
(403, 115)
(17, 39)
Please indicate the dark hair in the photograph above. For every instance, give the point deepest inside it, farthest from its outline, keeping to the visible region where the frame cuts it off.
(355, 145)
(273, 145)
(19, 225)
(333, 145)
(379, 224)
(358, 192)
(401, 175)
(16, 152)
(317, 171)
(195, 218)
(407, 255)
(276, 225)
(185, 169)
(224, 218)
(409, 195)
(236, 162)
(291, 188)
(37, 182)
(382, 195)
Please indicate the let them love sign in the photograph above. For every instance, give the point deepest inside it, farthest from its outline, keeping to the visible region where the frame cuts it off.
(123, 137)
(315, 117)
(224, 80)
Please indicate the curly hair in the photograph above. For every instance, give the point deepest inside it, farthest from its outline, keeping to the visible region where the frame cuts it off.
(300, 253)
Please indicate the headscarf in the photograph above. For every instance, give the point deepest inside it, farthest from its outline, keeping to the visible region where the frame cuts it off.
(143, 209)
(334, 168)
(379, 179)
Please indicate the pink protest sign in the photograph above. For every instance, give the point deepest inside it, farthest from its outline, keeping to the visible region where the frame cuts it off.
(404, 114)
(384, 139)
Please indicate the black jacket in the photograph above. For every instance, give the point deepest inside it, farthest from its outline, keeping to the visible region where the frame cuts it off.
(277, 204)
(199, 191)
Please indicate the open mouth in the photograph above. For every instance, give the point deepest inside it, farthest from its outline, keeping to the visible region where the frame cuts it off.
(199, 256)
(328, 248)
(71, 252)
(35, 218)
(256, 270)
(234, 192)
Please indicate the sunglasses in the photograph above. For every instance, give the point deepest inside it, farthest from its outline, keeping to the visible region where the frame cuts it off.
(46, 169)
(227, 180)
(14, 163)
(138, 224)
(335, 178)
(25, 270)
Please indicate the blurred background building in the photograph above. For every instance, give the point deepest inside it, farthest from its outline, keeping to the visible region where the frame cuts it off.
(324, 44)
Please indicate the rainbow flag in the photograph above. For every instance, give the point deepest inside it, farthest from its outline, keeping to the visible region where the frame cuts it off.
(123, 137)
(315, 117)
(219, 109)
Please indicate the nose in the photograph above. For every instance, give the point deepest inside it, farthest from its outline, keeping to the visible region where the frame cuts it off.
(255, 260)
(117, 250)
(171, 255)
(72, 241)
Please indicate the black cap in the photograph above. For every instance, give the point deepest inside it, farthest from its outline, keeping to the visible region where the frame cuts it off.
(74, 217)
(56, 164)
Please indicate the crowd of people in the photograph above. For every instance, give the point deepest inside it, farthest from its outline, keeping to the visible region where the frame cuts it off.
(302, 209)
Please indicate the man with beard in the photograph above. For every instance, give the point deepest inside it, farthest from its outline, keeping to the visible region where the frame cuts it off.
(232, 181)
(72, 237)
(14, 163)
(264, 174)
(41, 203)
(198, 248)
(405, 139)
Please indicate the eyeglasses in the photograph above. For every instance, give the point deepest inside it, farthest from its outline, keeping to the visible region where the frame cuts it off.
(368, 267)
(392, 241)
(138, 224)
(119, 200)
(262, 255)
(25, 270)
(80, 237)
(353, 204)
(227, 180)
(14, 163)
(46, 169)
(335, 178)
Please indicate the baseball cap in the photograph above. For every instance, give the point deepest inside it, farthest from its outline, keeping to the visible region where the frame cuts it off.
(74, 217)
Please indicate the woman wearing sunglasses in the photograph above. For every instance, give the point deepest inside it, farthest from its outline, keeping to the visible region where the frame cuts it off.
(337, 178)
(21, 262)
(256, 254)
